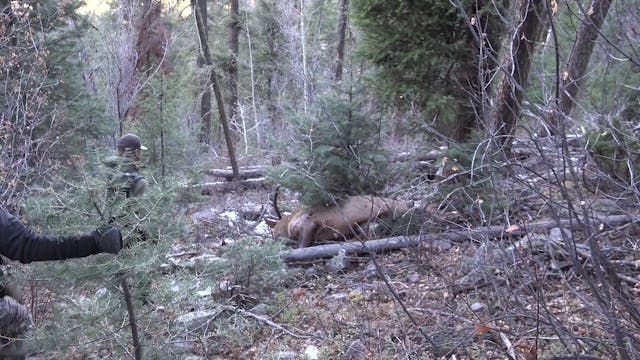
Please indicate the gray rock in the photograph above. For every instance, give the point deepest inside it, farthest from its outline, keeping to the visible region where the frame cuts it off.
(197, 319)
(556, 234)
(338, 297)
(356, 351)
(286, 355)
(338, 262)
(370, 270)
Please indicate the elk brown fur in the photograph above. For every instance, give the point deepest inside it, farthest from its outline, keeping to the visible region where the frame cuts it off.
(308, 225)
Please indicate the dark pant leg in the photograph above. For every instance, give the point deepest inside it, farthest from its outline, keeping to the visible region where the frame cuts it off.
(15, 322)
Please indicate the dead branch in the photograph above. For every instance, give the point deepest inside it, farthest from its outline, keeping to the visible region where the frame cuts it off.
(210, 188)
(245, 173)
(263, 320)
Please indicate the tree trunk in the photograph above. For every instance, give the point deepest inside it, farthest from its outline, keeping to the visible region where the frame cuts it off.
(213, 78)
(516, 60)
(342, 30)
(576, 66)
(205, 99)
(256, 121)
(303, 47)
(234, 33)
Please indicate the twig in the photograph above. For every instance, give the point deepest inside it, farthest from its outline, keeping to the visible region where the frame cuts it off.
(263, 320)
(394, 293)
(575, 356)
(629, 279)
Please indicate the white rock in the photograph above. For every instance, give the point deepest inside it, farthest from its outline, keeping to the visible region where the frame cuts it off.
(311, 352)
(475, 307)
(205, 292)
(195, 320)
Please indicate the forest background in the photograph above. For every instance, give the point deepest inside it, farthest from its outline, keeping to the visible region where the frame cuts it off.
(481, 112)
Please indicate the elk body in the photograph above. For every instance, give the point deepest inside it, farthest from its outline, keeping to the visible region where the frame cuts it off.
(335, 222)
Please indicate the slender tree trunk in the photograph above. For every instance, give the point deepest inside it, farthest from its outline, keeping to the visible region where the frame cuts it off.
(146, 6)
(576, 66)
(137, 346)
(304, 57)
(252, 78)
(271, 31)
(342, 30)
(516, 62)
(213, 78)
(205, 99)
(234, 34)
(163, 167)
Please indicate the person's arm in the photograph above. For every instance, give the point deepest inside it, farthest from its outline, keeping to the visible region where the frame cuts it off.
(18, 242)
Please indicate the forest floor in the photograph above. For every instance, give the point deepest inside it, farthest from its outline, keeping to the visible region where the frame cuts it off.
(523, 293)
(498, 297)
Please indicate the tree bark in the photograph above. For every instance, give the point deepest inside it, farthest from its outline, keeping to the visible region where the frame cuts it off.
(213, 78)
(234, 33)
(516, 62)
(342, 31)
(576, 66)
(205, 99)
(303, 48)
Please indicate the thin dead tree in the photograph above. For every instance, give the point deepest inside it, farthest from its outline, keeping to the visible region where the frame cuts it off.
(252, 78)
(304, 57)
(342, 30)
(234, 34)
(213, 80)
(205, 97)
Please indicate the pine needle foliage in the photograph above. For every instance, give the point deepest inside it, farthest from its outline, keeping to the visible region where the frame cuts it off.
(254, 267)
(425, 56)
(46, 111)
(616, 150)
(95, 308)
(336, 152)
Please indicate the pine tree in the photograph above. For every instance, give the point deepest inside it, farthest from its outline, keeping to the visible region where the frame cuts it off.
(426, 55)
(336, 152)
(48, 113)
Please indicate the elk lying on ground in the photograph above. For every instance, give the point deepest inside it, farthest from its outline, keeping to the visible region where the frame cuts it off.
(345, 221)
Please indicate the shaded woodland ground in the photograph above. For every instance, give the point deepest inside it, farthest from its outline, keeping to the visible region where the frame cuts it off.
(530, 255)
(520, 293)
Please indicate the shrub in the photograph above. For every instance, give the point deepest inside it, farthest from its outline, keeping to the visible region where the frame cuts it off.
(335, 153)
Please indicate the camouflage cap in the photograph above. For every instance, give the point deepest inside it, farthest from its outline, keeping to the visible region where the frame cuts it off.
(130, 141)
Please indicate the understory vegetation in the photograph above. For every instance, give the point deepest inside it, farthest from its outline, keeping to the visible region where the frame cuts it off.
(510, 130)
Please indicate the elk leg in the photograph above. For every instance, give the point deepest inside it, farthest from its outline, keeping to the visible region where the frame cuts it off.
(308, 231)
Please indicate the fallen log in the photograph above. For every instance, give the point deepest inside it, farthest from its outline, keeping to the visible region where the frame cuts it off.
(244, 173)
(355, 247)
(440, 239)
(211, 188)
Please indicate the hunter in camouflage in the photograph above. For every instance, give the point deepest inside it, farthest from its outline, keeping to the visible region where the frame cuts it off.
(126, 165)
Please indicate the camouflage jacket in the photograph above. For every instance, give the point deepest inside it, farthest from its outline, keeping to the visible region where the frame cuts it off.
(125, 174)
